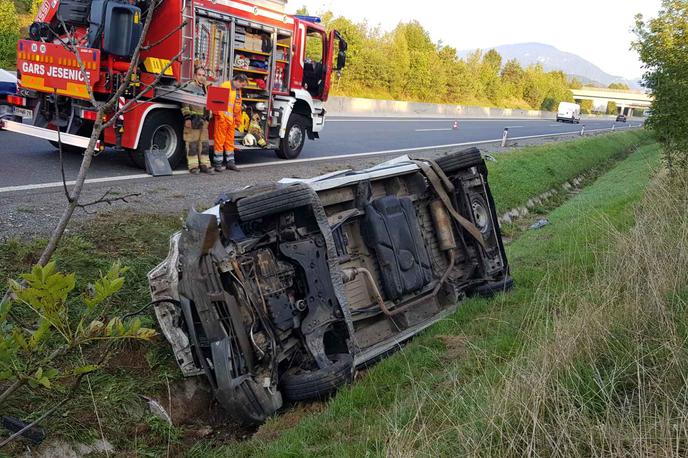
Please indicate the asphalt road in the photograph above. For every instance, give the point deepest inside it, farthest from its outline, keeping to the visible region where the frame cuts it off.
(27, 161)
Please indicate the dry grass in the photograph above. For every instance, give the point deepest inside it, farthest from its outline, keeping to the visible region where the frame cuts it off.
(606, 376)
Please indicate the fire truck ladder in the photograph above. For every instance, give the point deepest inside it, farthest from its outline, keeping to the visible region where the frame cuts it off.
(188, 34)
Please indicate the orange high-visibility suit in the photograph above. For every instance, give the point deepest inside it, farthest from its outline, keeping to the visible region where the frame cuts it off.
(225, 124)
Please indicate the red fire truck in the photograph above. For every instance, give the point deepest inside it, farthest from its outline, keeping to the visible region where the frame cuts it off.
(288, 60)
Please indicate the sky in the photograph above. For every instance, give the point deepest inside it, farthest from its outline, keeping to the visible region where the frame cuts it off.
(597, 30)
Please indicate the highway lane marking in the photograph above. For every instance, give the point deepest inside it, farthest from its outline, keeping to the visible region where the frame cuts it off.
(58, 184)
(514, 127)
(435, 130)
(431, 120)
(331, 119)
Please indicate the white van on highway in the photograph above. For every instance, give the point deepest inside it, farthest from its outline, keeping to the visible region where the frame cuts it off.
(570, 112)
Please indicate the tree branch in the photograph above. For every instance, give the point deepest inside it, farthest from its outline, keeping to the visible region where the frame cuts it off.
(72, 47)
(172, 32)
(107, 200)
(139, 96)
(70, 395)
(134, 60)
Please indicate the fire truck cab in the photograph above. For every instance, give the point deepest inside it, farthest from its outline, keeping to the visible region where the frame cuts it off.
(289, 61)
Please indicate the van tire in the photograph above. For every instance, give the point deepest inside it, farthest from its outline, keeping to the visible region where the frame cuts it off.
(274, 202)
(164, 124)
(300, 385)
(492, 288)
(460, 160)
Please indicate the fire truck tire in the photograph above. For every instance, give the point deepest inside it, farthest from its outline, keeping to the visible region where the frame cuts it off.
(164, 129)
(292, 143)
(74, 11)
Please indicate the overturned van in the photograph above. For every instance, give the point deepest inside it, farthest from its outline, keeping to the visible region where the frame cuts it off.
(280, 292)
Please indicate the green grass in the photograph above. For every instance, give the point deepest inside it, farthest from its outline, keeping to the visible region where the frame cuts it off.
(358, 420)
(528, 172)
(139, 242)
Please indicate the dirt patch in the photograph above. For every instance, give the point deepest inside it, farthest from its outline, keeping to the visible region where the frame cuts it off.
(456, 347)
(286, 420)
(130, 358)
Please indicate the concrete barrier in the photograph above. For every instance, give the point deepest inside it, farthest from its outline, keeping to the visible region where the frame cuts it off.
(357, 107)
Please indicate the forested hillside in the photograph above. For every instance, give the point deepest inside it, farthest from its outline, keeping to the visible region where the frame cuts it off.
(15, 17)
(405, 64)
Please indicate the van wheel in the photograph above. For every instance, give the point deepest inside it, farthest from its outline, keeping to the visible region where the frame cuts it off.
(162, 129)
(273, 202)
(300, 385)
(459, 160)
(492, 288)
(292, 144)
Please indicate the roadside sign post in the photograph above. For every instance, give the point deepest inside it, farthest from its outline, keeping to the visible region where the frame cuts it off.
(505, 136)
(582, 132)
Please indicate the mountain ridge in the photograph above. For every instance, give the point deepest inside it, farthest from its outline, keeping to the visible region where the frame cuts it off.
(553, 59)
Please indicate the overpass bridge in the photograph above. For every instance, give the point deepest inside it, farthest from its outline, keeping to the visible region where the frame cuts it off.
(626, 100)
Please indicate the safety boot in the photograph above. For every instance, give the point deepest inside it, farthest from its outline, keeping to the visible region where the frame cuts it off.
(231, 165)
(207, 169)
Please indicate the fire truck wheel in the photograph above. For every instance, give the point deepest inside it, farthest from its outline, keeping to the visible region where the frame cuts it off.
(163, 130)
(292, 144)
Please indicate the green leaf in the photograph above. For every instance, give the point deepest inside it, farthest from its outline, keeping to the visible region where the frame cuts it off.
(86, 369)
(108, 285)
(5, 307)
(19, 339)
(39, 333)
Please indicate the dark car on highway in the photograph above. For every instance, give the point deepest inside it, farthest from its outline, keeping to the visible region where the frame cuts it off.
(621, 118)
(281, 291)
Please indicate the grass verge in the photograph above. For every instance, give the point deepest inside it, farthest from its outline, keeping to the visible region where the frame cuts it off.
(141, 241)
(528, 172)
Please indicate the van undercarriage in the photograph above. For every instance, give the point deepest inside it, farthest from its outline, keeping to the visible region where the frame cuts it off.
(281, 291)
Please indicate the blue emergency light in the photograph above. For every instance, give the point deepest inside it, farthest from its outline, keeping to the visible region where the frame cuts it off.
(313, 19)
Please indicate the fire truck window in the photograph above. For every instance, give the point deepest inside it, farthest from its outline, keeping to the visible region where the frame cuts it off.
(313, 74)
(314, 47)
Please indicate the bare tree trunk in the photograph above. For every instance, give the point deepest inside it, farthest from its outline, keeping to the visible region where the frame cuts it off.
(74, 195)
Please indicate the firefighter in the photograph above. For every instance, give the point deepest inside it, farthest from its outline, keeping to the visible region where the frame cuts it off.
(226, 123)
(196, 119)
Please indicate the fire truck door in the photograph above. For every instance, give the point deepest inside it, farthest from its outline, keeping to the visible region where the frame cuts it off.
(335, 59)
(314, 63)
